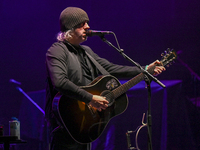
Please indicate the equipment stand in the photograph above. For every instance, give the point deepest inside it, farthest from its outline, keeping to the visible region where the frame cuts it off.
(149, 118)
(148, 77)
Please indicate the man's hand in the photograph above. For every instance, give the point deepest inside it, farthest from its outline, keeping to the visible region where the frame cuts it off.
(99, 102)
(158, 69)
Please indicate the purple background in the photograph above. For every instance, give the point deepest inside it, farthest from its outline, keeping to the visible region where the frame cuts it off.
(144, 30)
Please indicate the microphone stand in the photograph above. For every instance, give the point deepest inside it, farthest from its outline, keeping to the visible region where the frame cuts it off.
(148, 77)
(41, 110)
(28, 97)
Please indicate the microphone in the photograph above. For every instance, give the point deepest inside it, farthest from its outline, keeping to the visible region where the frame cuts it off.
(14, 81)
(98, 33)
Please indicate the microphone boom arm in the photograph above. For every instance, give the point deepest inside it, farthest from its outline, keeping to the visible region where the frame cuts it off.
(121, 51)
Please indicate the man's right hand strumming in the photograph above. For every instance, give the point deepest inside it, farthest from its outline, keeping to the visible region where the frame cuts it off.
(99, 102)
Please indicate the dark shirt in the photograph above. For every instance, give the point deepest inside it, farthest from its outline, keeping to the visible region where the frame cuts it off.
(87, 68)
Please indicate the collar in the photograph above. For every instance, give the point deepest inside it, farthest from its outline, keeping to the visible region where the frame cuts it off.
(72, 47)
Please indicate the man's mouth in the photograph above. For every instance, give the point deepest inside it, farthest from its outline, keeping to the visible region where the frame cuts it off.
(85, 33)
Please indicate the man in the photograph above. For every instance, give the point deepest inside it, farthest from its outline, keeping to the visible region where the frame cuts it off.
(69, 67)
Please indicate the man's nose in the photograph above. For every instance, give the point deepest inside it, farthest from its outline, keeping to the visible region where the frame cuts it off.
(86, 26)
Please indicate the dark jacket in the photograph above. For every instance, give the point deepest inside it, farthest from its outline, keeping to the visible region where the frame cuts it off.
(64, 73)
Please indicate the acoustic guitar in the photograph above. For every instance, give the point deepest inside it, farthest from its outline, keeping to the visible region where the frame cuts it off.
(84, 122)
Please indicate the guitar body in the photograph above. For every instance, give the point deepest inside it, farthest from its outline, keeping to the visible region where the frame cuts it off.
(84, 122)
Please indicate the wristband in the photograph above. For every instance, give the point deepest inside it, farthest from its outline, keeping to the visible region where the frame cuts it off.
(146, 67)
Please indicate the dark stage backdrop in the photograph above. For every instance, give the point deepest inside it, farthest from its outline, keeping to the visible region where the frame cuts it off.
(144, 30)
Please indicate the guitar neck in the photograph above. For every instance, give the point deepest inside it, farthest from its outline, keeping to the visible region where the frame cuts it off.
(169, 57)
(126, 86)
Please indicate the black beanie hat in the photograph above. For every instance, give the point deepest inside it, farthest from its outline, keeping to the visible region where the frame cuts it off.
(72, 16)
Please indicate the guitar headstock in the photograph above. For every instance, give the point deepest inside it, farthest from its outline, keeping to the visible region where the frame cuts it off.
(168, 57)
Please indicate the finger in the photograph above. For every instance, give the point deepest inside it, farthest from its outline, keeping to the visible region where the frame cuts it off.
(156, 72)
(104, 106)
(104, 98)
(162, 68)
(105, 102)
(157, 62)
(159, 71)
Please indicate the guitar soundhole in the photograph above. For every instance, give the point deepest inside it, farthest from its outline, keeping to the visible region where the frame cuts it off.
(109, 97)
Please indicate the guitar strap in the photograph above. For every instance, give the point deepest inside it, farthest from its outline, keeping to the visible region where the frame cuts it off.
(100, 68)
